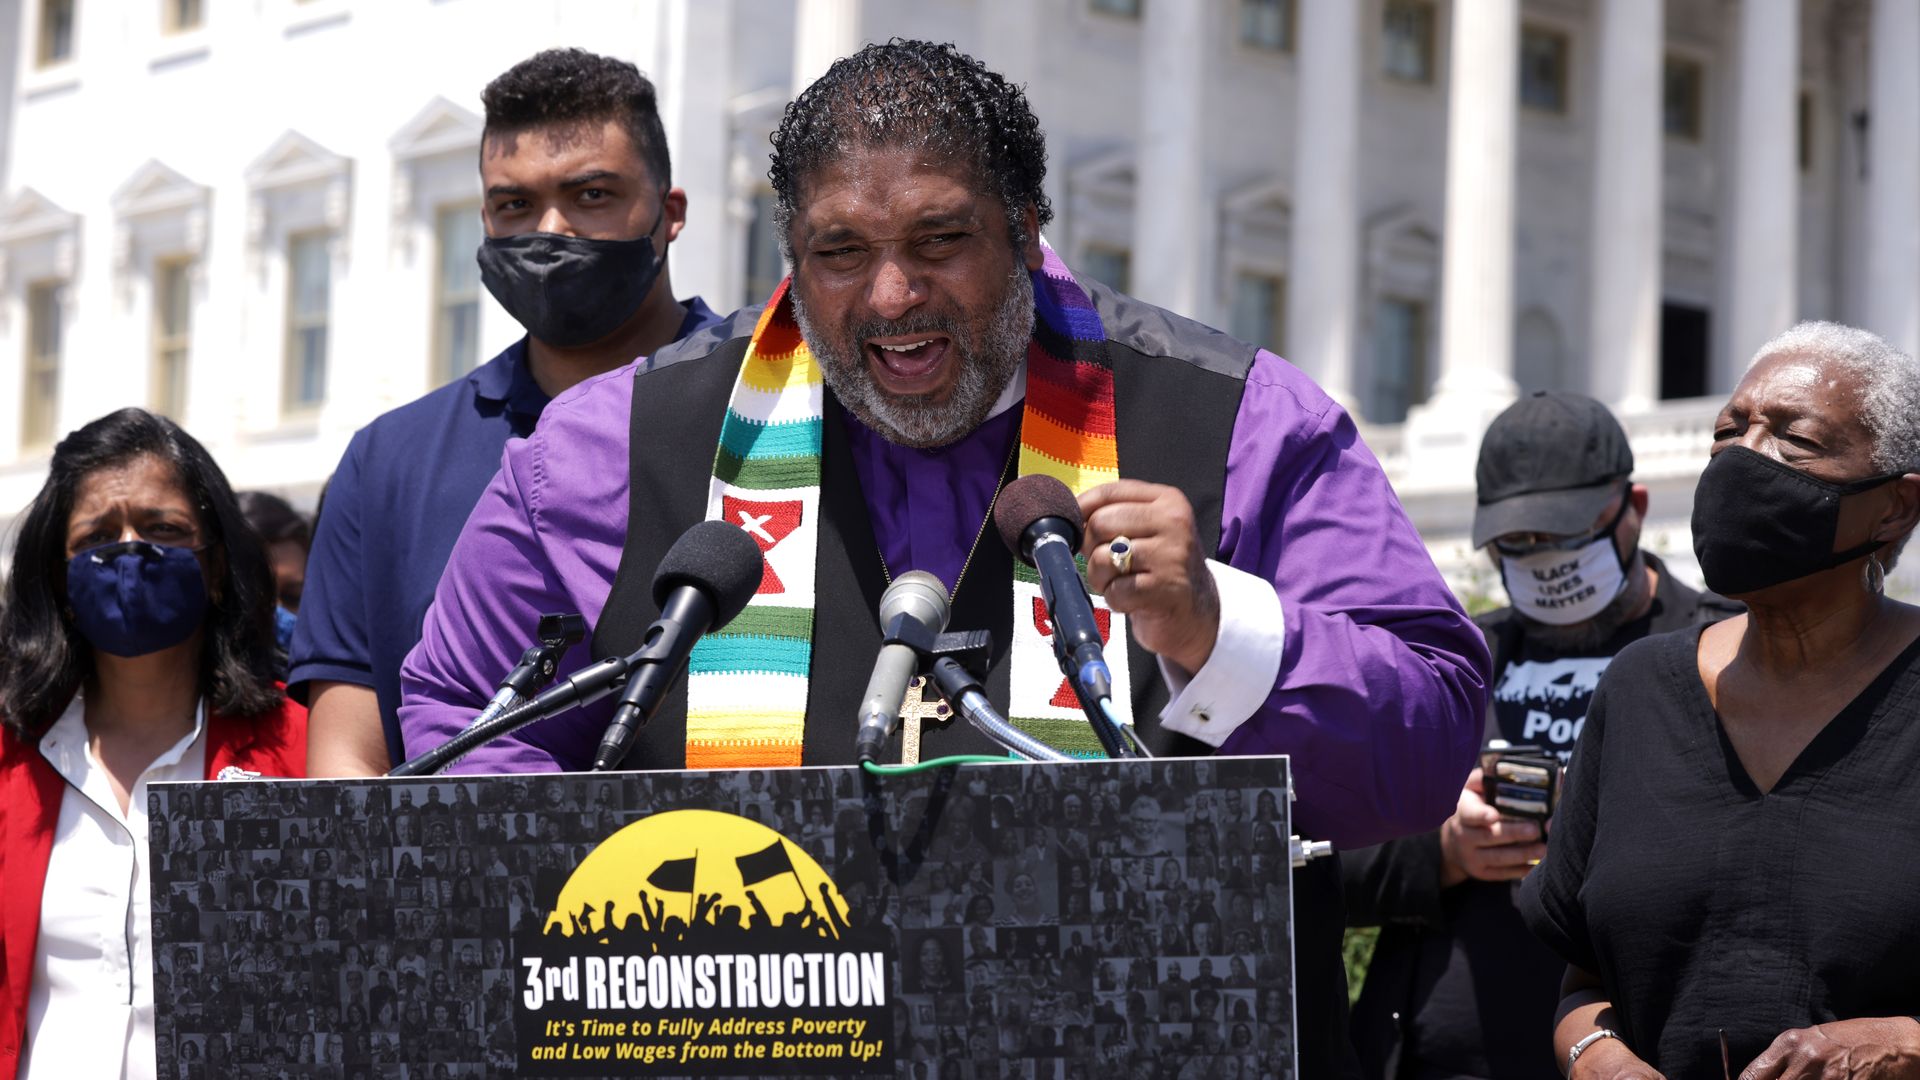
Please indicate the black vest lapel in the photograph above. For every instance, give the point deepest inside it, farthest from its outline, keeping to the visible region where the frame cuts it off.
(674, 429)
(1175, 426)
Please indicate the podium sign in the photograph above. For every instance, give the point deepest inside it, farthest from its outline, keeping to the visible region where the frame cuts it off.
(1030, 920)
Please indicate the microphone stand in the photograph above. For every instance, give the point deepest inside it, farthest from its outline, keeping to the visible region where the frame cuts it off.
(963, 691)
(556, 634)
(941, 664)
(583, 687)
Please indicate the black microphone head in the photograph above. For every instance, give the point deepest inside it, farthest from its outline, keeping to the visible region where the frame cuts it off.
(1029, 499)
(720, 560)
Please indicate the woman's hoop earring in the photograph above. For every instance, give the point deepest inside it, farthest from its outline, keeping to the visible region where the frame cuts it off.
(1873, 576)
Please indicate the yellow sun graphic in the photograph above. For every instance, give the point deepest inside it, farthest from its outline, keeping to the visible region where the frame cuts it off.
(700, 866)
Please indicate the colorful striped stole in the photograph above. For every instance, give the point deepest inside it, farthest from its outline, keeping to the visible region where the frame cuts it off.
(747, 683)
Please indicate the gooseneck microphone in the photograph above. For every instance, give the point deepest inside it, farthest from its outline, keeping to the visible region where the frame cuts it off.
(703, 583)
(1039, 519)
(913, 612)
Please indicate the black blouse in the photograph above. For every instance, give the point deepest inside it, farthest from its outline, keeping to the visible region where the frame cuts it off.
(1704, 904)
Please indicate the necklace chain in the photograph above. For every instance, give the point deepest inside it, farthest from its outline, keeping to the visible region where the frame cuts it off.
(1012, 455)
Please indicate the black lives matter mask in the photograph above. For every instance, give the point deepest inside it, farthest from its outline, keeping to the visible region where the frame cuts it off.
(568, 290)
(1758, 522)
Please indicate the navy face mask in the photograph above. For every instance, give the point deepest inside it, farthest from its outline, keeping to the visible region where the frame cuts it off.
(135, 597)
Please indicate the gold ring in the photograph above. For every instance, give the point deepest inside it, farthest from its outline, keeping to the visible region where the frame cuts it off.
(1120, 552)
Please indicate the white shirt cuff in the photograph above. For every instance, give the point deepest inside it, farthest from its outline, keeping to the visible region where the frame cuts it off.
(1238, 677)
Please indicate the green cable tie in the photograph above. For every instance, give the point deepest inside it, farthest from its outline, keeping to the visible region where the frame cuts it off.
(936, 763)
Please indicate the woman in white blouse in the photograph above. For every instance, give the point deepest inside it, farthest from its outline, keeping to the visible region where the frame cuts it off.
(136, 645)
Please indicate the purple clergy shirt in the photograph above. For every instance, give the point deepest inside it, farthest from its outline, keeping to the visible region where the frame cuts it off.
(928, 507)
(1382, 678)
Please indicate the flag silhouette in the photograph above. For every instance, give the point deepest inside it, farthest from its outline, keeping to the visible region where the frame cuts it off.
(761, 865)
(673, 875)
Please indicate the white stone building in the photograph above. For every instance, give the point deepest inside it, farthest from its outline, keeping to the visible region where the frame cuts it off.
(257, 215)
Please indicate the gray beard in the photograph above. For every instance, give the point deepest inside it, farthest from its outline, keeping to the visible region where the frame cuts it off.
(987, 363)
(1595, 632)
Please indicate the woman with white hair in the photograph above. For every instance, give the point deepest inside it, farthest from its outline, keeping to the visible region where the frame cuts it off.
(1734, 870)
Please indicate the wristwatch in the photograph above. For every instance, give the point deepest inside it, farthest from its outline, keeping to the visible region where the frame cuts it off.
(1580, 1047)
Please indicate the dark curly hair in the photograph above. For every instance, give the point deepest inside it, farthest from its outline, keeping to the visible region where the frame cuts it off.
(567, 86)
(274, 518)
(933, 98)
(43, 657)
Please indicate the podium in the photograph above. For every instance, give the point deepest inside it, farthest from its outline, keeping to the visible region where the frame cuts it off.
(1081, 919)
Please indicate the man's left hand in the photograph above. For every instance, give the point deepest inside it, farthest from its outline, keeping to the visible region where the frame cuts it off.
(1169, 594)
(1862, 1049)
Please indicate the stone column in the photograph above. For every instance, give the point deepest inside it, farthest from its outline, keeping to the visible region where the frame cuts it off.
(1174, 216)
(1008, 40)
(823, 31)
(1324, 282)
(1764, 223)
(1476, 290)
(1893, 182)
(1476, 266)
(1623, 334)
(695, 81)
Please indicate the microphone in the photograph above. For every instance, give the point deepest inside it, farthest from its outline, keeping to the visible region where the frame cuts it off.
(1039, 520)
(703, 583)
(913, 611)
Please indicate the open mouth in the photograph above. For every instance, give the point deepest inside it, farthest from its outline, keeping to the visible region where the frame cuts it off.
(909, 364)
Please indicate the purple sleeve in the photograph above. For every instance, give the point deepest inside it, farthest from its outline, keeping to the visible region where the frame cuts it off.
(1383, 678)
(520, 557)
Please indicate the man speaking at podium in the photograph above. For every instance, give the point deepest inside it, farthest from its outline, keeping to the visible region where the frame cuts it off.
(927, 348)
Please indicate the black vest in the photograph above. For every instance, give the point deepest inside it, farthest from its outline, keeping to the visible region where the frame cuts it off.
(1174, 411)
(1177, 390)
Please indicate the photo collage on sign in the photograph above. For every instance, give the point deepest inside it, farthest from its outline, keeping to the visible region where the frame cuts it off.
(1052, 921)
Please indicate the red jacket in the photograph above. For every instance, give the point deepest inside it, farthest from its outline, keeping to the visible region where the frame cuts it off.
(30, 793)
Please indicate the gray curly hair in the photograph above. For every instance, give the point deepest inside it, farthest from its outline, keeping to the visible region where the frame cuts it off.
(1889, 380)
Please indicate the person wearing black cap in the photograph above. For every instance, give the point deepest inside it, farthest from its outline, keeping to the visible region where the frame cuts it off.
(1457, 986)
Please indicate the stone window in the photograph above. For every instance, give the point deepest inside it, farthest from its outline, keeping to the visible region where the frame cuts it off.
(1685, 331)
(1543, 69)
(180, 16)
(46, 325)
(309, 297)
(456, 288)
(1259, 309)
(1407, 40)
(765, 265)
(1110, 266)
(1267, 24)
(55, 44)
(172, 335)
(1683, 98)
(1399, 378)
(1804, 112)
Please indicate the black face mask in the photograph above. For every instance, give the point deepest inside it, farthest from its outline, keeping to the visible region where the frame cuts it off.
(1758, 522)
(567, 290)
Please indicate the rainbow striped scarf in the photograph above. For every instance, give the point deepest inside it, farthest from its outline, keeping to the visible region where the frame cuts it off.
(747, 683)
